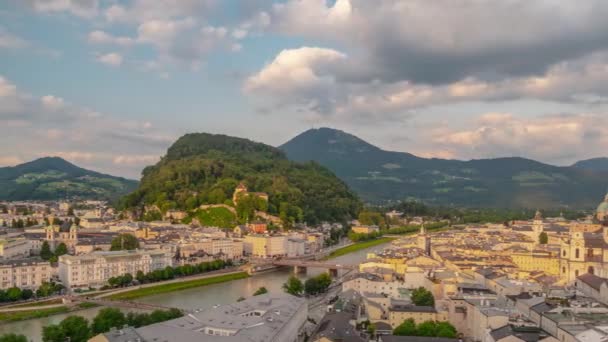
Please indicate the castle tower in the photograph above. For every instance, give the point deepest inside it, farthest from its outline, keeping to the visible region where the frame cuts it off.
(240, 189)
(50, 233)
(73, 234)
(424, 241)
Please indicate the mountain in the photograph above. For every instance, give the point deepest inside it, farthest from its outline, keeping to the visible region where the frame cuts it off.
(52, 178)
(595, 164)
(379, 176)
(203, 168)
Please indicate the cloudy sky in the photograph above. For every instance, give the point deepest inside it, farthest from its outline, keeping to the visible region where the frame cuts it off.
(109, 84)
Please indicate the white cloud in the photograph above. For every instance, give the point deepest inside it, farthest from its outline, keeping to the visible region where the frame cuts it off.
(140, 160)
(11, 41)
(81, 8)
(52, 103)
(112, 59)
(101, 37)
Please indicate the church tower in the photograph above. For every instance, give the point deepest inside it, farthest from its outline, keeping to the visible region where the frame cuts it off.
(537, 225)
(424, 241)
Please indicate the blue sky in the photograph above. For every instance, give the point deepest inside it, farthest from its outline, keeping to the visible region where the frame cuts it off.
(109, 84)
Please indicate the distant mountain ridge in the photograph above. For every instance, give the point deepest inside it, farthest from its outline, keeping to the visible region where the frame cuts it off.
(594, 164)
(51, 178)
(379, 176)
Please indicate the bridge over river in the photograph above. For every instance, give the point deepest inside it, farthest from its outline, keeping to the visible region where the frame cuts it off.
(300, 265)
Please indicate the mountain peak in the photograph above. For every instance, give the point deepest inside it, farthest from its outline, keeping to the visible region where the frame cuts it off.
(328, 139)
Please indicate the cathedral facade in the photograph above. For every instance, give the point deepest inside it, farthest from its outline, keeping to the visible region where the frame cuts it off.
(584, 252)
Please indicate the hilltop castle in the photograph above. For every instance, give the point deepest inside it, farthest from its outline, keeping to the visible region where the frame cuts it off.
(241, 192)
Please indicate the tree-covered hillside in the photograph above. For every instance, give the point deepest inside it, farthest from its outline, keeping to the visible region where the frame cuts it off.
(52, 178)
(380, 176)
(204, 168)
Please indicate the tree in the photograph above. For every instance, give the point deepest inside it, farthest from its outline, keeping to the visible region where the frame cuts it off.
(428, 328)
(13, 338)
(293, 286)
(543, 238)
(423, 297)
(445, 329)
(70, 211)
(53, 333)
(61, 249)
(407, 328)
(140, 276)
(27, 294)
(124, 242)
(262, 290)
(106, 319)
(240, 299)
(45, 251)
(13, 294)
(76, 328)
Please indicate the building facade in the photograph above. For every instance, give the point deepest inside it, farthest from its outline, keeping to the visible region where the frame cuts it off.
(94, 270)
(24, 274)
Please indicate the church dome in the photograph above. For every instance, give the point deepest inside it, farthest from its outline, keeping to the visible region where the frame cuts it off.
(602, 208)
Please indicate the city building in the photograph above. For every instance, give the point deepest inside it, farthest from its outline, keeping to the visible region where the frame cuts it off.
(25, 274)
(94, 270)
(271, 317)
(584, 252)
(16, 248)
(265, 246)
(360, 229)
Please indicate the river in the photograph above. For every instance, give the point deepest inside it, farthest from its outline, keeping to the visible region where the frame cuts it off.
(195, 298)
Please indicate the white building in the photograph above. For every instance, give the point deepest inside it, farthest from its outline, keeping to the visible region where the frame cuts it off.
(296, 247)
(25, 274)
(371, 283)
(14, 248)
(94, 270)
(265, 246)
(271, 317)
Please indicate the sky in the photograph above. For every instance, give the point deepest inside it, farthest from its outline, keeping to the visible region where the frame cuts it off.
(110, 84)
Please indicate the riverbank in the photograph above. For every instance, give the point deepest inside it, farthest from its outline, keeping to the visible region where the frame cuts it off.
(176, 286)
(358, 246)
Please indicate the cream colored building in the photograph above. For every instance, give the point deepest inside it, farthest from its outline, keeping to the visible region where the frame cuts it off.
(536, 261)
(14, 248)
(582, 253)
(25, 274)
(365, 229)
(370, 283)
(265, 246)
(94, 270)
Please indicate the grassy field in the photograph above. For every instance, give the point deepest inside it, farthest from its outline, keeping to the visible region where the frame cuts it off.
(23, 315)
(163, 288)
(40, 303)
(358, 246)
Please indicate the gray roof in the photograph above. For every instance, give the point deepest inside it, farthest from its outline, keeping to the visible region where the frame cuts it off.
(592, 280)
(527, 334)
(337, 327)
(276, 310)
(412, 308)
(392, 338)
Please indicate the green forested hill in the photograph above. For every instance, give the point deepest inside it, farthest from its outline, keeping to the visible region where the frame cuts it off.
(380, 176)
(594, 164)
(54, 178)
(204, 168)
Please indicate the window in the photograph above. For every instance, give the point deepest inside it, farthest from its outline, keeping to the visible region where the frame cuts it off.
(590, 252)
(577, 253)
(576, 273)
(590, 270)
(564, 253)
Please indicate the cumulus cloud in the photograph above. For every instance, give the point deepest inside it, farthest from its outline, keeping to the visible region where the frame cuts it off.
(112, 59)
(101, 37)
(397, 58)
(560, 139)
(28, 122)
(81, 8)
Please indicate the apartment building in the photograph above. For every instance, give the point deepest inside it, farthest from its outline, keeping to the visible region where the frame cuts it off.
(14, 248)
(25, 274)
(94, 270)
(265, 246)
